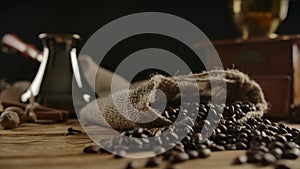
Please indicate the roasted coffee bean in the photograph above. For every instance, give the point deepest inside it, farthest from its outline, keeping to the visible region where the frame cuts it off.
(102, 150)
(268, 159)
(241, 145)
(172, 166)
(267, 141)
(282, 166)
(203, 110)
(246, 130)
(231, 140)
(131, 165)
(256, 157)
(240, 159)
(215, 147)
(91, 149)
(120, 154)
(201, 146)
(153, 162)
(280, 138)
(282, 130)
(168, 154)
(220, 136)
(241, 136)
(193, 154)
(277, 152)
(159, 150)
(244, 140)
(273, 128)
(288, 136)
(221, 142)
(267, 122)
(256, 132)
(276, 144)
(179, 157)
(291, 145)
(291, 154)
(230, 147)
(204, 153)
(223, 128)
(263, 149)
(178, 149)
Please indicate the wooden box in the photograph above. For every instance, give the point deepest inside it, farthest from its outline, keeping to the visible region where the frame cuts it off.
(274, 63)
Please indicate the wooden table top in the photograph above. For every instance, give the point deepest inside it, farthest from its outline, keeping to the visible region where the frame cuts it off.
(43, 146)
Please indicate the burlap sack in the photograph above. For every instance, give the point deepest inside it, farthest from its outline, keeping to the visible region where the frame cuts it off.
(116, 113)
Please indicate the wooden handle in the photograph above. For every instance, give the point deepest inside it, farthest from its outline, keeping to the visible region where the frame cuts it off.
(18, 44)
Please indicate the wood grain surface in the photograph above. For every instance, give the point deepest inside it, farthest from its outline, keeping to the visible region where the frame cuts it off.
(46, 146)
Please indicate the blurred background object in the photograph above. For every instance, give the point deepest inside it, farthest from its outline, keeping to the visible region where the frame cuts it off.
(257, 18)
(270, 57)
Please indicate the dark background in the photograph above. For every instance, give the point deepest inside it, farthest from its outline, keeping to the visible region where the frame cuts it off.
(29, 18)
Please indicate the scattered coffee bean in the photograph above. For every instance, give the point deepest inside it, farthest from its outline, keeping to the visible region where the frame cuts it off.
(131, 165)
(120, 154)
(204, 153)
(91, 149)
(291, 154)
(215, 147)
(282, 166)
(179, 157)
(153, 162)
(230, 147)
(172, 167)
(277, 152)
(159, 150)
(265, 141)
(193, 154)
(240, 159)
(268, 159)
(72, 131)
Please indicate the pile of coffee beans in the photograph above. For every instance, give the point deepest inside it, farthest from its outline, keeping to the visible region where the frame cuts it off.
(266, 142)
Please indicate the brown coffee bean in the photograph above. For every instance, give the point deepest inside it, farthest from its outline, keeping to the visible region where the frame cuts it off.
(256, 157)
(241, 136)
(131, 165)
(120, 154)
(159, 150)
(91, 149)
(276, 144)
(280, 138)
(291, 145)
(240, 159)
(215, 147)
(268, 159)
(291, 154)
(256, 132)
(179, 157)
(240, 146)
(193, 154)
(153, 162)
(221, 142)
(282, 166)
(223, 128)
(172, 166)
(230, 147)
(277, 152)
(204, 153)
